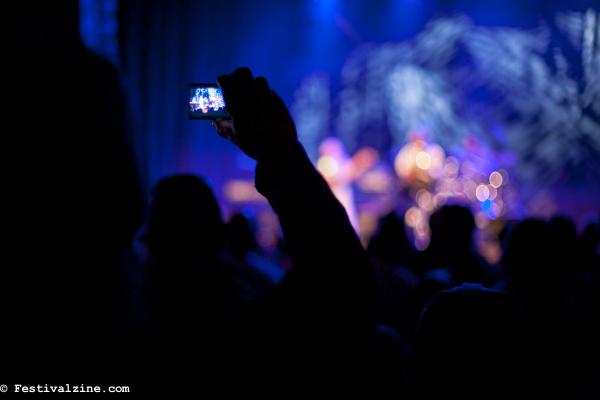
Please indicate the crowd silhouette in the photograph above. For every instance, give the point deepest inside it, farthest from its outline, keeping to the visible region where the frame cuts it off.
(200, 294)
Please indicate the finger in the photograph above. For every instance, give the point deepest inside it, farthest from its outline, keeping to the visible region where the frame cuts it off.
(262, 85)
(225, 132)
(216, 123)
(217, 127)
(229, 92)
(222, 124)
(237, 89)
(243, 74)
(245, 87)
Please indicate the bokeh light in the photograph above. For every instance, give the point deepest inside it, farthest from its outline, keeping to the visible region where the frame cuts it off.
(423, 160)
(412, 217)
(496, 179)
(482, 193)
(328, 166)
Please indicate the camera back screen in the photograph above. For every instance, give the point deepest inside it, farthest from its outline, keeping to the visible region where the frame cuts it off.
(206, 101)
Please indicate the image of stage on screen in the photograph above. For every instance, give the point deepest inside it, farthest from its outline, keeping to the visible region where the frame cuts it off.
(206, 102)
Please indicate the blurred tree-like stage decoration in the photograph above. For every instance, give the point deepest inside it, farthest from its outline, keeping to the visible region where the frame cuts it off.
(467, 107)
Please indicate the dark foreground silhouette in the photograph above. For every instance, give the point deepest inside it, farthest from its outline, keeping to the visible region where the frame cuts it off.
(77, 304)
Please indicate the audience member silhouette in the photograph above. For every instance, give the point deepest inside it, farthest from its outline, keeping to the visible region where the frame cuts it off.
(75, 201)
(186, 287)
(392, 257)
(471, 341)
(452, 247)
(534, 269)
(528, 263)
(253, 273)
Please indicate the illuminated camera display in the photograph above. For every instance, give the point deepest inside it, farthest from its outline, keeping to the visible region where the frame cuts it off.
(206, 101)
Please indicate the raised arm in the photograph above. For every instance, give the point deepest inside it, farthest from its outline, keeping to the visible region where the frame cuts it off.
(330, 283)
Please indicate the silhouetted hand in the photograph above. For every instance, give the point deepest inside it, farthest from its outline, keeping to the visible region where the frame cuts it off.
(260, 118)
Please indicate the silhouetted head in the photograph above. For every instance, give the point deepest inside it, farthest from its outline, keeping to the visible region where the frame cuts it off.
(72, 141)
(184, 281)
(75, 195)
(452, 229)
(184, 218)
(451, 245)
(528, 260)
(563, 227)
(470, 337)
(390, 243)
(241, 235)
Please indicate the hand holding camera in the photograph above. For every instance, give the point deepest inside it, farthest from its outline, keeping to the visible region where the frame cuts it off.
(256, 119)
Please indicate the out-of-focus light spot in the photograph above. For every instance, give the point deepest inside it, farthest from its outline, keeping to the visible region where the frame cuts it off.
(405, 160)
(468, 169)
(375, 181)
(242, 191)
(493, 192)
(444, 185)
(500, 204)
(332, 146)
(439, 200)
(485, 206)
(267, 234)
(481, 220)
(423, 160)
(412, 217)
(451, 167)
(367, 222)
(495, 211)
(425, 200)
(469, 189)
(365, 158)
(328, 166)
(437, 153)
(402, 164)
(415, 162)
(456, 186)
(422, 229)
(496, 179)
(437, 156)
(482, 193)
(504, 175)
(421, 243)
(491, 251)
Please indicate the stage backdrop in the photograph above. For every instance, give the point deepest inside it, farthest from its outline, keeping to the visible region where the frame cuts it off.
(517, 80)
